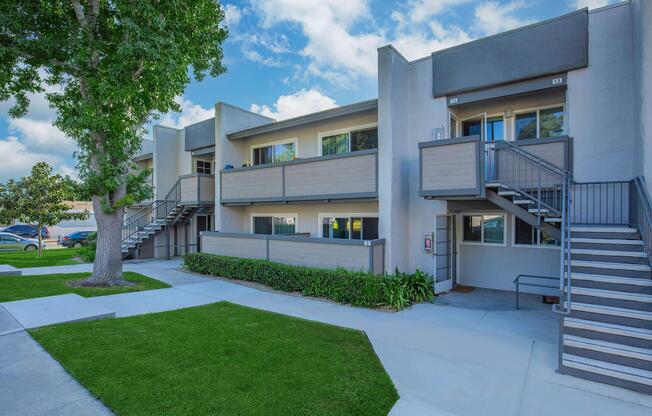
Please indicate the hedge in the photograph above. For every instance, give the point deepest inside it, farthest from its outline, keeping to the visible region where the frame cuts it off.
(353, 288)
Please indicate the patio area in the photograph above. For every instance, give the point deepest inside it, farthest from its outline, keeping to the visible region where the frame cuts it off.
(464, 354)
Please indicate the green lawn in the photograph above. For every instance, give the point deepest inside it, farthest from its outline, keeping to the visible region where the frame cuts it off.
(27, 287)
(51, 257)
(222, 359)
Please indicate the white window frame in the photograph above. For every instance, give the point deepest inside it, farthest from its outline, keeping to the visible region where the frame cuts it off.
(322, 215)
(538, 243)
(453, 117)
(275, 214)
(481, 242)
(537, 111)
(294, 140)
(347, 130)
(205, 160)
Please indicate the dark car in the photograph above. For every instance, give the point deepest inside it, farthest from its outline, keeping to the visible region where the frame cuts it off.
(27, 231)
(76, 239)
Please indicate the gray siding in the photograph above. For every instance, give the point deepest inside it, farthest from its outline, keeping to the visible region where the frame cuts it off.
(549, 47)
(351, 175)
(330, 177)
(450, 167)
(253, 184)
(196, 188)
(324, 256)
(200, 135)
(302, 251)
(247, 247)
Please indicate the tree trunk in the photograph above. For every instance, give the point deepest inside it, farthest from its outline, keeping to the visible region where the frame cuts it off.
(39, 239)
(107, 269)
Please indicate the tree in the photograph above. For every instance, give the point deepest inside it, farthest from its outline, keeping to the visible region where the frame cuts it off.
(39, 199)
(117, 63)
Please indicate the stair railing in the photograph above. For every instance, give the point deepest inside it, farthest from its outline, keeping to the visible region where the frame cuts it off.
(549, 187)
(640, 216)
(158, 209)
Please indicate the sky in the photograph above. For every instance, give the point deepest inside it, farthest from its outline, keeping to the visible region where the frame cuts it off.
(291, 57)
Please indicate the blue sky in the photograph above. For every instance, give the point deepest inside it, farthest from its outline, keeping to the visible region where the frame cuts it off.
(290, 57)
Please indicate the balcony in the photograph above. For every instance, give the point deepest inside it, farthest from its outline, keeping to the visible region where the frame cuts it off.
(348, 176)
(195, 189)
(365, 255)
(459, 168)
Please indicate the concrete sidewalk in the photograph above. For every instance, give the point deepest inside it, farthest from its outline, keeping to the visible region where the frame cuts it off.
(458, 356)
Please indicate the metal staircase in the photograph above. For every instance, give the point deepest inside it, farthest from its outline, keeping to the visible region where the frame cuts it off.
(155, 217)
(605, 286)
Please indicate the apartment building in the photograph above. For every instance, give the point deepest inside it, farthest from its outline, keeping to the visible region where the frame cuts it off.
(522, 157)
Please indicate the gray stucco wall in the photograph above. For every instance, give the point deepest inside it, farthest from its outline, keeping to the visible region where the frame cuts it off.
(229, 118)
(600, 104)
(166, 159)
(642, 50)
(393, 150)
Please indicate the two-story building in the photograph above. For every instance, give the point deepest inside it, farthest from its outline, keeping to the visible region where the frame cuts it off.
(519, 157)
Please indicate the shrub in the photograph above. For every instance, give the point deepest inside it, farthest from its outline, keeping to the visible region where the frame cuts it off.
(87, 252)
(353, 288)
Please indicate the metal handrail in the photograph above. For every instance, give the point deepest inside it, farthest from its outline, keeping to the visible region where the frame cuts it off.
(642, 218)
(517, 283)
(549, 166)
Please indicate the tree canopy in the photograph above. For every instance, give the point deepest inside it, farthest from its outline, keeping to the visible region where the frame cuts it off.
(39, 199)
(115, 65)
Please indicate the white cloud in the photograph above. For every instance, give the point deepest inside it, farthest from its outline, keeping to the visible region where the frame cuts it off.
(190, 113)
(591, 4)
(18, 159)
(329, 28)
(422, 10)
(493, 17)
(232, 15)
(417, 43)
(42, 135)
(302, 102)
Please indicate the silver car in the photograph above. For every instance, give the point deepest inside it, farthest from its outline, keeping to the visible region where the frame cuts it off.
(12, 242)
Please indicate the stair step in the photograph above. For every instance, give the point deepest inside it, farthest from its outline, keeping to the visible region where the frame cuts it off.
(596, 252)
(538, 210)
(507, 193)
(612, 279)
(607, 241)
(494, 185)
(602, 229)
(607, 347)
(607, 328)
(611, 294)
(635, 375)
(521, 201)
(606, 265)
(612, 311)
(552, 219)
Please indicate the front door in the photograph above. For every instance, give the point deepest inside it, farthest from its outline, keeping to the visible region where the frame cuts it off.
(445, 253)
(203, 224)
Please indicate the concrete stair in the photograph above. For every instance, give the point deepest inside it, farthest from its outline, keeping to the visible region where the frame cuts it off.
(608, 335)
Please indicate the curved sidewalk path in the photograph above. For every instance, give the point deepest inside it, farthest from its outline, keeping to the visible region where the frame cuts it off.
(479, 357)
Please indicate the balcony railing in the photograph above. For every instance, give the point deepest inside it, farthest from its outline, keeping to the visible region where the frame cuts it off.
(365, 255)
(351, 175)
(197, 188)
(460, 167)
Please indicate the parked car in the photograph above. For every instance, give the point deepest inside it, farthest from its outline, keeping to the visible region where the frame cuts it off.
(28, 231)
(76, 239)
(11, 242)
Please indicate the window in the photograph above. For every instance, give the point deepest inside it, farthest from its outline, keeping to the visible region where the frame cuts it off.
(274, 225)
(486, 229)
(551, 122)
(525, 234)
(472, 128)
(544, 122)
(203, 166)
(526, 126)
(352, 141)
(353, 228)
(495, 129)
(274, 153)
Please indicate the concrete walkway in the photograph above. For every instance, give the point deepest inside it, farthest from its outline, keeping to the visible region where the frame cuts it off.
(467, 354)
